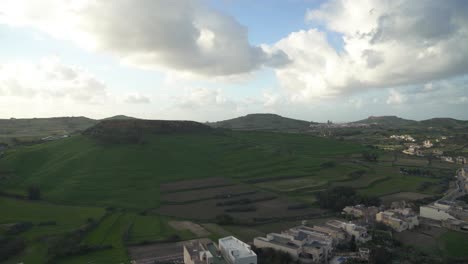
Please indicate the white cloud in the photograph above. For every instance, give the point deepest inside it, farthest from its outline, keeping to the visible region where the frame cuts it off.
(50, 79)
(136, 98)
(182, 35)
(386, 44)
(395, 97)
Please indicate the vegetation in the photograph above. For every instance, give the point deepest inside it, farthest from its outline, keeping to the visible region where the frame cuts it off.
(339, 197)
(263, 122)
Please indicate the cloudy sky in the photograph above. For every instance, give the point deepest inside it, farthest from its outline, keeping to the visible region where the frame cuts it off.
(209, 60)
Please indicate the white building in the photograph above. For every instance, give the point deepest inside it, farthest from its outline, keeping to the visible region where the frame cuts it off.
(434, 212)
(359, 232)
(427, 144)
(301, 243)
(235, 251)
(398, 219)
(461, 160)
(447, 159)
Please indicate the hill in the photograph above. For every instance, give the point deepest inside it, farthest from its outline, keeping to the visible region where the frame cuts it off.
(444, 122)
(14, 130)
(264, 122)
(387, 121)
(119, 117)
(134, 130)
(81, 170)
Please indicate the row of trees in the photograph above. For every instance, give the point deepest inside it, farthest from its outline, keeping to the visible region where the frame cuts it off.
(339, 197)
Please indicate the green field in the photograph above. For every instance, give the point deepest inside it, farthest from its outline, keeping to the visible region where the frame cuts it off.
(66, 218)
(80, 177)
(454, 244)
(81, 171)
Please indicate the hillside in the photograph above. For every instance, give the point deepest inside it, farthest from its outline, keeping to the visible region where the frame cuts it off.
(80, 170)
(12, 130)
(134, 130)
(387, 121)
(264, 122)
(444, 122)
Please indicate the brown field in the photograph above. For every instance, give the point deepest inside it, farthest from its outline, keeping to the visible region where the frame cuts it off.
(207, 210)
(194, 184)
(158, 253)
(425, 239)
(217, 229)
(198, 230)
(208, 193)
(407, 196)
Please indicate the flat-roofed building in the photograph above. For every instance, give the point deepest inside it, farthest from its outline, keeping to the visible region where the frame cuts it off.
(398, 219)
(359, 232)
(235, 251)
(202, 252)
(306, 247)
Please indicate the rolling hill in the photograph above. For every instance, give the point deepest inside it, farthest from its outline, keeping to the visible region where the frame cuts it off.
(263, 122)
(82, 170)
(394, 121)
(31, 129)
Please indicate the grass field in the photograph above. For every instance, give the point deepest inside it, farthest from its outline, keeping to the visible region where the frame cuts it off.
(81, 171)
(76, 173)
(66, 218)
(454, 244)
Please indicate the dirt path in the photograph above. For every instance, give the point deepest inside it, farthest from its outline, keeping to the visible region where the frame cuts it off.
(191, 226)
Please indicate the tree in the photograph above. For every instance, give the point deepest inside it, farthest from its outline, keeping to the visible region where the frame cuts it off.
(352, 244)
(34, 193)
(370, 156)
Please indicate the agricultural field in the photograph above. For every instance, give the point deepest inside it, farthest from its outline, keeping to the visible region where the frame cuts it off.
(171, 187)
(47, 220)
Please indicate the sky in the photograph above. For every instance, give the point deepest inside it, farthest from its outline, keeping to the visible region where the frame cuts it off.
(210, 60)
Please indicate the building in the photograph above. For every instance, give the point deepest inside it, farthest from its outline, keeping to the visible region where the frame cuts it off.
(435, 213)
(461, 160)
(337, 234)
(447, 159)
(359, 232)
(361, 211)
(235, 251)
(302, 243)
(198, 253)
(398, 219)
(427, 144)
(407, 138)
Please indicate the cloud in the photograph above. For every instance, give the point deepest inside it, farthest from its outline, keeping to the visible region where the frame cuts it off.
(50, 79)
(137, 99)
(183, 35)
(385, 44)
(395, 97)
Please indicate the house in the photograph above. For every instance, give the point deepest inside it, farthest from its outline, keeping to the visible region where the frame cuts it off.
(437, 152)
(427, 144)
(434, 212)
(235, 251)
(299, 245)
(198, 253)
(361, 211)
(359, 232)
(447, 159)
(461, 160)
(407, 138)
(337, 234)
(398, 219)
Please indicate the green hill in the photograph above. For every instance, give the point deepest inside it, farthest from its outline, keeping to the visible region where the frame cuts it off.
(84, 170)
(17, 130)
(264, 122)
(444, 122)
(394, 121)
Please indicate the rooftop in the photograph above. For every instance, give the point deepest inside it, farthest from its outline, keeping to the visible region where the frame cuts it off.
(235, 247)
